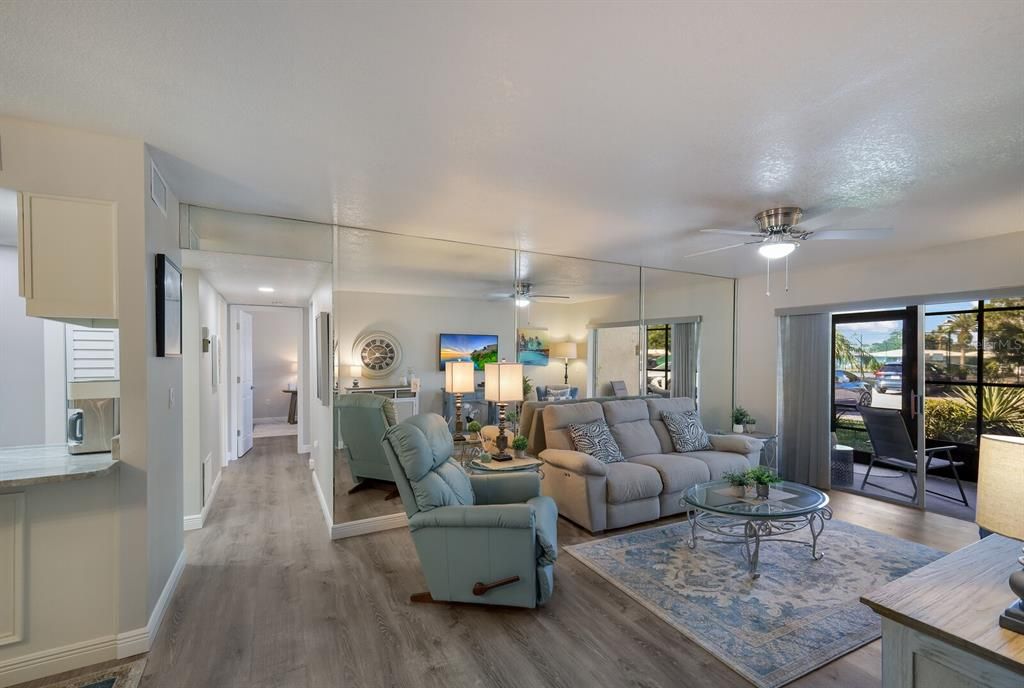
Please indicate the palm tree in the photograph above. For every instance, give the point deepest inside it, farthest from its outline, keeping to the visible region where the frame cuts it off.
(961, 325)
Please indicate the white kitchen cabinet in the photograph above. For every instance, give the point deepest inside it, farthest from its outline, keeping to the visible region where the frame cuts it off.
(67, 252)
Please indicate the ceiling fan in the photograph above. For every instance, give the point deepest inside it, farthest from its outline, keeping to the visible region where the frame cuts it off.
(524, 294)
(779, 233)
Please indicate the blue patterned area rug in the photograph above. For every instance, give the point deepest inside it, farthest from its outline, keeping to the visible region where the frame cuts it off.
(125, 675)
(799, 615)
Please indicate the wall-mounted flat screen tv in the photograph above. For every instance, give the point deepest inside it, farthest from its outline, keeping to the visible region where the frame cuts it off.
(477, 348)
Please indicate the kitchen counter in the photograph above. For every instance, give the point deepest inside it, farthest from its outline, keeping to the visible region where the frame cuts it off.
(35, 465)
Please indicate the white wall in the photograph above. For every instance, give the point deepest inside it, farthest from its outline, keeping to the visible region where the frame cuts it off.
(204, 405)
(164, 465)
(81, 519)
(992, 263)
(321, 418)
(22, 399)
(275, 359)
(417, 321)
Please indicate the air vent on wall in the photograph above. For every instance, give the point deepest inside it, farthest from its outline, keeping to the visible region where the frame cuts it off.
(158, 189)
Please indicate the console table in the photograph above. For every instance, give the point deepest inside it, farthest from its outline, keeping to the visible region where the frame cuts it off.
(940, 624)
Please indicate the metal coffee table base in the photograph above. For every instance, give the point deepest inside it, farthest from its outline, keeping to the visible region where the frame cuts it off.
(750, 532)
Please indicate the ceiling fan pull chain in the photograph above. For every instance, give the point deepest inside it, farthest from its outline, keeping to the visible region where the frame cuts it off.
(768, 280)
(787, 273)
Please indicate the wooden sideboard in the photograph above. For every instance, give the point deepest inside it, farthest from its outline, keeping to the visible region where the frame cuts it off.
(940, 624)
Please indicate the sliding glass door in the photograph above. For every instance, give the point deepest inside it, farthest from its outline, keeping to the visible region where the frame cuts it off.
(874, 366)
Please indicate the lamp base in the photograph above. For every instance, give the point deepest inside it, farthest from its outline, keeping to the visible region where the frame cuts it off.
(503, 456)
(458, 437)
(1012, 618)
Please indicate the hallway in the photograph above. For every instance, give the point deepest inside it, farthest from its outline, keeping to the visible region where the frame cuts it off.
(267, 601)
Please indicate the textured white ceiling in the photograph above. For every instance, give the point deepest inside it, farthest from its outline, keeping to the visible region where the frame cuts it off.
(239, 277)
(608, 130)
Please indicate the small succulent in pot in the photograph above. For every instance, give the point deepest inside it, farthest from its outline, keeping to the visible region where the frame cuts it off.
(738, 481)
(750, 424)
(739, 417)
(763, 478)
(519, 443)
(474, 429)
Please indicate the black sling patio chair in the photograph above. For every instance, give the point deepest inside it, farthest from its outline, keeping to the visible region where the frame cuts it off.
(893, 448)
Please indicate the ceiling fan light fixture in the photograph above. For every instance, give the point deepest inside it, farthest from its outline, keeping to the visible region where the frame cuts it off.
(777, 249)
(522, 301)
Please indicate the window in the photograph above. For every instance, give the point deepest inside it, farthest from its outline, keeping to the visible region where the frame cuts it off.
(659, 358)
(974, 372)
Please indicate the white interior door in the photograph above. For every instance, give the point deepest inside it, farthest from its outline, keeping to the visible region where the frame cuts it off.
(244, 381)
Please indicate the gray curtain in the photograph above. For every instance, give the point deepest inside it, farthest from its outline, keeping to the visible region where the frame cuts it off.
(804, 397)
(685, 351)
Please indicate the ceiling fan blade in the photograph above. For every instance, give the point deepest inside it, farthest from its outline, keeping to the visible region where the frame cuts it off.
(548, 296)
(854, 234)
(720, 248)
(738, 232)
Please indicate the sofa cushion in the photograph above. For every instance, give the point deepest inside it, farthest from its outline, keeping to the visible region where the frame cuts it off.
(719, 463)
(596, 440)
(631, 427)
(628, 482)
(687, 431)
(446, 485)
(423, 447)
(673, 405)
(558, 417)
(677, 471)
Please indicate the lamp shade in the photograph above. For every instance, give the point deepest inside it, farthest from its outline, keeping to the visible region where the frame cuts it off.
(503, 382)
(355, 371)
(563, 350)
(458, 377)
(1001, 485)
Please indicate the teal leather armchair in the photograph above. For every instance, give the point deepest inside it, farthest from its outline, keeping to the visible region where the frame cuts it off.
(362, 421)
(482, 539)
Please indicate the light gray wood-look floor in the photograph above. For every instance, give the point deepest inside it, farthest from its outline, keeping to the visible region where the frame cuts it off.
(368, 502)
(268, 601)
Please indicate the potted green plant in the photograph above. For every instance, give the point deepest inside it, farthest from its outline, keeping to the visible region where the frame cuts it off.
(750, 425)
(763, 479)
(527, 387)
(474, 430)
(519, 446)
(739, 417)
(512, 416)
(738, 481)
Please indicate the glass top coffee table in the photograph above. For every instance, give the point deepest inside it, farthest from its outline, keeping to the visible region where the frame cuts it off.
(721, 511)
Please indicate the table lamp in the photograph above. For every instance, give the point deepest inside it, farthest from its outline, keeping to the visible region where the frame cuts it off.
(356, 371)
(564, 351)
(458, 379)
(1001, 507)
(503, 382)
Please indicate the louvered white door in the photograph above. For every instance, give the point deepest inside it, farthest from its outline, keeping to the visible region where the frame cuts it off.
(92, 353)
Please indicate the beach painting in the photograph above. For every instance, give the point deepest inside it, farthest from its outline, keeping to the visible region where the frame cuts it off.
(479, 349)
(532, 345)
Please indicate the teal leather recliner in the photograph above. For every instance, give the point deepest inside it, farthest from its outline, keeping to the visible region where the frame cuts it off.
(362, 421)
(482, 539)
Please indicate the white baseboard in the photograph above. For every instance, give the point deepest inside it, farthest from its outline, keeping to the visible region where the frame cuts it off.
(56, 660)
(197, 521)
(323, 503)
(77, 655)
(364, 526)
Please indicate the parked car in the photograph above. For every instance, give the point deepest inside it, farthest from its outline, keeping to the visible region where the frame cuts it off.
(850, 390)
(889, 378)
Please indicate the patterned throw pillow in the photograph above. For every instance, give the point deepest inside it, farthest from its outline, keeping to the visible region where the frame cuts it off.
(558, 394)
(686, 430)
(596, 439)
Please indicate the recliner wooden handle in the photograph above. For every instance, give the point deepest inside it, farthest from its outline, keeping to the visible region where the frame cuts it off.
(484, 588)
